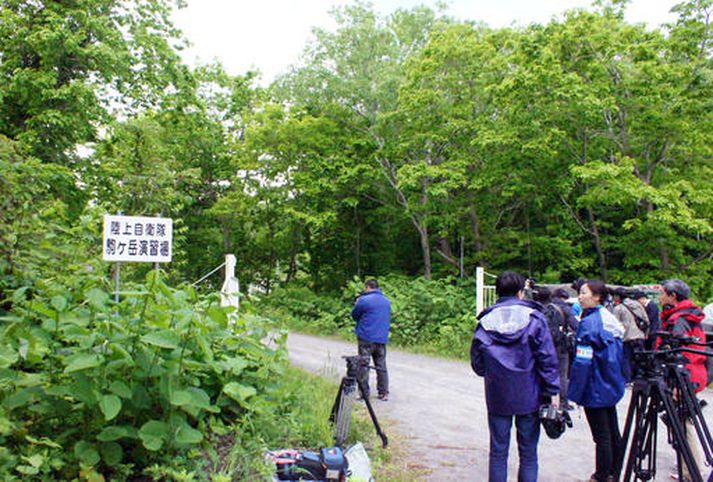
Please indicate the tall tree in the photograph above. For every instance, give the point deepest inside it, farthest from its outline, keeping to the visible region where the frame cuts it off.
(358, 70)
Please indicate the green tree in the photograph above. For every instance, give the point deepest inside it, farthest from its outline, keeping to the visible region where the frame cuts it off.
(354, 74)
(64, 63)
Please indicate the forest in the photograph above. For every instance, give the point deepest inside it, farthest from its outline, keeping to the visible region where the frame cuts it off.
(577, 148)
(410, 146)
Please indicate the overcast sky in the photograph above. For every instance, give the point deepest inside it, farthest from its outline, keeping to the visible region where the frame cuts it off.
(269, 35)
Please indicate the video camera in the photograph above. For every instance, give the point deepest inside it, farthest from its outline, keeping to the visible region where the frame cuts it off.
(357, 365)
(670, 352)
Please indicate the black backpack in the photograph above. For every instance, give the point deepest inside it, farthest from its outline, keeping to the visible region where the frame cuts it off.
(555, 322)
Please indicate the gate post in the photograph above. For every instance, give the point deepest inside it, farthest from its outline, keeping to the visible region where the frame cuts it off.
(479, 289)
(230, 292)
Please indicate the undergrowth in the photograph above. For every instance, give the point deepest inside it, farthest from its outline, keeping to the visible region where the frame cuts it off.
(428, 316)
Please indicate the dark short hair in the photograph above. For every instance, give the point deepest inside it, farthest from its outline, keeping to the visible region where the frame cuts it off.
(372, 284)
(576, 284)
(676, 288)
(597, 287)
(541, 294)
(560, 293)
(620, 293)
(509, 283)
(638, 294)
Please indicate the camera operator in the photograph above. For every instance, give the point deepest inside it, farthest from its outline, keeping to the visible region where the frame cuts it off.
(372, 313)
(682, 318)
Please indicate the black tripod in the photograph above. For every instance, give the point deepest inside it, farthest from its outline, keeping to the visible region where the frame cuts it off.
(357, 370)
(662, 385)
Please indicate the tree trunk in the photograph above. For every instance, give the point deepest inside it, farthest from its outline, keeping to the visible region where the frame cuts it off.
(475, 225)
(425, 249)
(357, 248)
(226, 237)
(444, 249)
(598, 245)
(294, 248)
(663, 252)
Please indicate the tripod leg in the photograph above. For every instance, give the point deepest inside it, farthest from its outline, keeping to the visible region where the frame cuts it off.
(342, 410)
(683, 449)
(693, 408)
(372, 414)
(641, 406)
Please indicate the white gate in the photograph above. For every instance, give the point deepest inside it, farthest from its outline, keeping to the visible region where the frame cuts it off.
(484, 294)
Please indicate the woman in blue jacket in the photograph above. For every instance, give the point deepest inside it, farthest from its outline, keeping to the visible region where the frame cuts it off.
(597, 379)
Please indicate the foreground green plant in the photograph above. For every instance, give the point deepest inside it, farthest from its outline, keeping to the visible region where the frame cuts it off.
(89, 388)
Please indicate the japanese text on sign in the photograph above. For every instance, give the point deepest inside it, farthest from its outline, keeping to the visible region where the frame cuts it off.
(137, 238)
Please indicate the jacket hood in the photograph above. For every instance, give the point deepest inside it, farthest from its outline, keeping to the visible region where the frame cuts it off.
(508, 319)
(684, 309)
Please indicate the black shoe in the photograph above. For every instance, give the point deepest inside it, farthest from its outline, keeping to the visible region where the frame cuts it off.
(384, 397)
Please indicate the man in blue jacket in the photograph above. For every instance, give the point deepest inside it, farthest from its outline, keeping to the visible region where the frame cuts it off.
(512, 349)
(372, 313)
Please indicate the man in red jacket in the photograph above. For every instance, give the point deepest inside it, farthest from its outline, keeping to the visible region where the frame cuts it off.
(681, 317)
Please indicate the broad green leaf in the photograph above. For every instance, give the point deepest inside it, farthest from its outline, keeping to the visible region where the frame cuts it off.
(82, 362)
(235, 365)
(110, 406)
(27, 469)
(97, 298)
(35, 460)
(59, 303)
(86, 453)
(111, 453)
(153, 434)
(19, 294)
(217, 314)
(8, 356)
(164, 339)
(180, 398)
(120, 388)
(239, 392)
(188, 435)
(19, 398)
(112, 432)
(199, 398)
(6, 426)
(42, 309)
(82, 390)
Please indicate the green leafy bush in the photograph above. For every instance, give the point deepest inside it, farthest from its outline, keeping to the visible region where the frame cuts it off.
(435, 316)
(94, 389)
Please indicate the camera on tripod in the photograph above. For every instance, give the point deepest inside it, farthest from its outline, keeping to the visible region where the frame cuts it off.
(662, 388)
(357, 365)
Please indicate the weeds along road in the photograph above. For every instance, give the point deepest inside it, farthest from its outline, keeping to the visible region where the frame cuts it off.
(438, 407)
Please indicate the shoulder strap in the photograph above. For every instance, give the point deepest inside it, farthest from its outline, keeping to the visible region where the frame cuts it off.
(634, 314)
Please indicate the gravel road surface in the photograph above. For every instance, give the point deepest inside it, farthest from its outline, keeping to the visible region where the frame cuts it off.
(438, 408)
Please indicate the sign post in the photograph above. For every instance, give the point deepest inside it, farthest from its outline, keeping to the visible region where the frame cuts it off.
(136, 239)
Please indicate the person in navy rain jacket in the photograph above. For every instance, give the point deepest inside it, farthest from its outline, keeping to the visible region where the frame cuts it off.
(597, 378)
(372, 313)
(512, 349)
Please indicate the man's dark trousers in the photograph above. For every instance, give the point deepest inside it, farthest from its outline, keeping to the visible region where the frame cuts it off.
(377, 351)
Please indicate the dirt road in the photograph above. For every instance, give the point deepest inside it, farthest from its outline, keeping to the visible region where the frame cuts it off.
(438, 406)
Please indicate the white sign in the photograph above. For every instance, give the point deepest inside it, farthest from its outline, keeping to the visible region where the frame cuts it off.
(137, 238)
